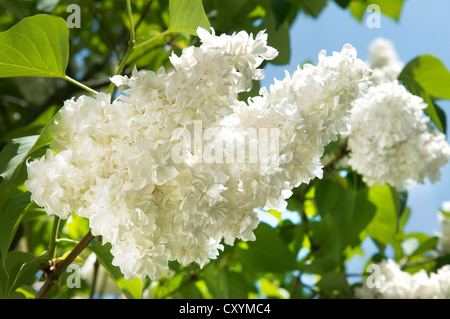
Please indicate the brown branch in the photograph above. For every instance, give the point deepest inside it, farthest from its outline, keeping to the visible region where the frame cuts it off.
(57, 270)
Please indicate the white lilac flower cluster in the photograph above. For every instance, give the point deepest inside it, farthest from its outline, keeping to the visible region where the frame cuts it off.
(444, 221)
(151, 170)
(391, 141)
(384, 61)
(394, 283)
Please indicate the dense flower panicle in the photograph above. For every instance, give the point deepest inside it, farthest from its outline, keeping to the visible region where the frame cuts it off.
(151, 170)
(384, 61)
(310, 108)
(390, 141)
(394, 283)
(444, 221)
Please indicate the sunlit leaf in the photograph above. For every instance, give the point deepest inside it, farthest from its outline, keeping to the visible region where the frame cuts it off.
(36, 46)
(187, 15)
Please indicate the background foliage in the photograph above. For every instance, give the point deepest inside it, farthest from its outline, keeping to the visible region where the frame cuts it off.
(336, 213)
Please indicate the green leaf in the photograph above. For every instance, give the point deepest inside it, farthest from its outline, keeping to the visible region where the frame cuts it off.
(442, 261)
(383, 226)
(426, 246)
(326, 248)
(36, 46)
(314, 7)
(390, 8)
(189, 291)
(279, 38)
(77, 227)
(187, 15)
(26, 291)
(216, 280)
(34, 128)
(281, 9)
(345, 213)
(342, 3)
(442, 117)
(400, 199)
(430, 73)
(347, 210)
(10, 218)
(28, 271)
(426, 76)
(268, 253)
(167, 286)
(238, 287)
(292, 235)
(416, 89)
(14, 154)
(13, 263)
(270, 290)
(333, 281)
(131, 288)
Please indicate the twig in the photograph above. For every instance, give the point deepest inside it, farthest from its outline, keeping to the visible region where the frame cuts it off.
(57, 270)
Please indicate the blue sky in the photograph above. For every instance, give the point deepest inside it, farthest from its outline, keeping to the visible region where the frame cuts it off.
(423, 28)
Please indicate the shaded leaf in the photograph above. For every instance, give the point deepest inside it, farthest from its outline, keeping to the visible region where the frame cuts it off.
(14, 154)
(10, 217)
(268, 253)
(426, 76)
(216, 281)
(13, 262)
(314, 7)
(342, 3)
(281, 9)
(28, 271)
(333, 281)
(430, 73)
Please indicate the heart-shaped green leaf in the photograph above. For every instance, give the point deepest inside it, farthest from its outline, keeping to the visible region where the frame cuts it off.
(36, 46)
